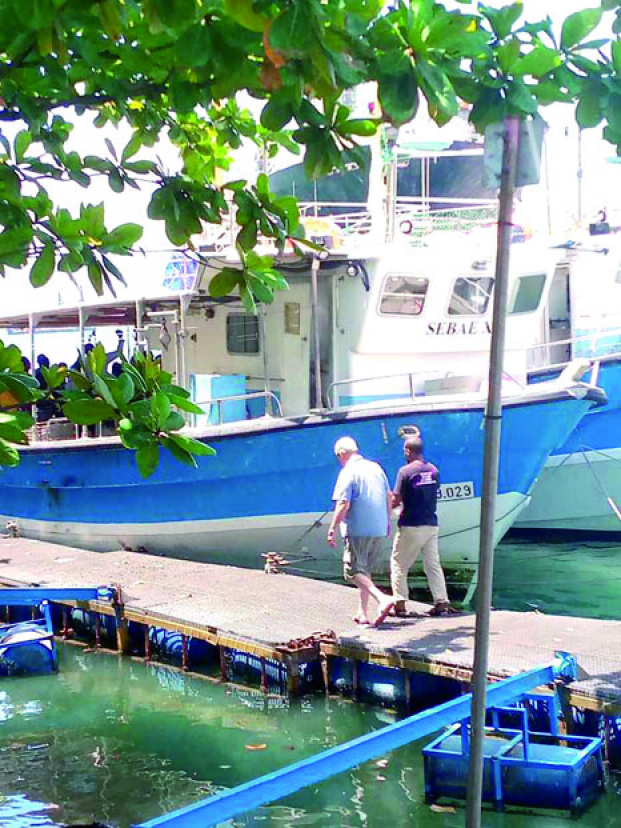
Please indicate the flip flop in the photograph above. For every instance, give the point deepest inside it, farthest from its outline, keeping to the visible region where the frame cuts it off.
(384, 613)
(361, 622)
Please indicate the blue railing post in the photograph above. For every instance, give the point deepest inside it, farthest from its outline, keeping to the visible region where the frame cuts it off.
(280, 783)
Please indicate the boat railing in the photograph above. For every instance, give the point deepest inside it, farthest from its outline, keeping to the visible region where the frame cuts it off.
(273, 407)
(436, 382)
(415, 217)
(596, 349)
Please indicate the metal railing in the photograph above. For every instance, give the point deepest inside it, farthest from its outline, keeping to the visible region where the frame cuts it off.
(272, 403)
(411, 376)
(593, 352)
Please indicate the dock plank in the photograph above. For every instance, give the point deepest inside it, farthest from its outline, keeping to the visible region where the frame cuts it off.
(274, 609)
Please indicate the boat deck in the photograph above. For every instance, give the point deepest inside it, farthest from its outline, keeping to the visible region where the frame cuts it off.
(268, 614)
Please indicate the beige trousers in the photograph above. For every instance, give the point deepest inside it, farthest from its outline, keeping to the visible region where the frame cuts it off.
(410, 542)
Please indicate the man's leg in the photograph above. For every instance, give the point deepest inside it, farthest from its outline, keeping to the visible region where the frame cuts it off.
(433, 569)
(404, 553)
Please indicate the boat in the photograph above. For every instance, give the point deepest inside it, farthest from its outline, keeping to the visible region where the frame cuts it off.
(274, 407)
(579, 489)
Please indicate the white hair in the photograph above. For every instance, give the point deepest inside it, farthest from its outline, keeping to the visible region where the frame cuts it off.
(345, 445)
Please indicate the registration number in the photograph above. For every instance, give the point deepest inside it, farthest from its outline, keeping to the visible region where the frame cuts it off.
(456, 491)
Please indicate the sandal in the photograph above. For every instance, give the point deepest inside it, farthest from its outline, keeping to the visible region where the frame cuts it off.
(363, 623)
(442, 608)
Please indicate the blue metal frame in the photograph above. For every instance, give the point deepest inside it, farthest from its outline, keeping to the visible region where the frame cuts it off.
(30, 596)
(41, 597)
(317, 768)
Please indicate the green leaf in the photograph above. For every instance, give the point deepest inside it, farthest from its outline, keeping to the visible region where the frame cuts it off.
(147, 459)
(178, 453)
(398, 96)
(225, 281)
(184, 404)
(102, 390)
(43, 267)
(276, 114)
(616, 55)
(174, 421)
(123, 390)
(578, 25)
(589, 111)
(79, 380)
(160, 407)
(95, 277)
(538, 62)
(503, 19)
(359, 126)
(88, 412)
(22, 141)
(13, 434)
(242, 11)
(292, 32)
(192, 446)
(123, 236)
(9, 455)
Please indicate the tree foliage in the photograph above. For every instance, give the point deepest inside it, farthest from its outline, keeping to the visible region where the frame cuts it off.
(175, 67)
(141, 403)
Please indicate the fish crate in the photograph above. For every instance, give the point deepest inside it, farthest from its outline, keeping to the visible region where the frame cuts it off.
(520, 768)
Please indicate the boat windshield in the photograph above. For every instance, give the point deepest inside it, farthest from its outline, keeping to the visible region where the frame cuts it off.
(471, 295)
(403, 295)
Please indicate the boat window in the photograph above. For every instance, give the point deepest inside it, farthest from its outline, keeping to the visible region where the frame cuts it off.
(242, 333)
(403, 295)
(471, 295)
(528, 293)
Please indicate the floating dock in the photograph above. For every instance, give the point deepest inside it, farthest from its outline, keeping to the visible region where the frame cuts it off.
(289, 622)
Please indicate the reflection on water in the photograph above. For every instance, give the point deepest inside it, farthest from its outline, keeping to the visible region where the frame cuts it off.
(121, 742)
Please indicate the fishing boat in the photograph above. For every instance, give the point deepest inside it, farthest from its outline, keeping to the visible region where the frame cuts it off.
(579, 488)
(276, 399)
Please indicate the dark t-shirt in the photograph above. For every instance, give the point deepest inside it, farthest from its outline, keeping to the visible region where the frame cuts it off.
(417, 485)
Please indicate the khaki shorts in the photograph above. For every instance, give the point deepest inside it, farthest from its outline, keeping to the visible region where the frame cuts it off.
(359, 556)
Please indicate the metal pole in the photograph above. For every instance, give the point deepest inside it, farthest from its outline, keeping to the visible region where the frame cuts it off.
(315, 318)
(182, 338)
(580, 173)
(32, 324)
(490, 472)
(266, 376)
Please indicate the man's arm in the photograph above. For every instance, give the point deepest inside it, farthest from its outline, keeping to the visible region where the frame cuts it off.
(397, 500)
(340, 513)
(389, 513)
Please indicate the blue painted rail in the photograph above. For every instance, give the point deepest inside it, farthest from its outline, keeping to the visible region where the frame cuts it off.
(28, 647)
(330, 762)
(31, 596)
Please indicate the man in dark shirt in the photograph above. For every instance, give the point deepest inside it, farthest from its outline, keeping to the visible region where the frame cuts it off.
(416, 490)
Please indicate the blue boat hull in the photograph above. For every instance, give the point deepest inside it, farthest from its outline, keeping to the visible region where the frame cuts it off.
(271, 479)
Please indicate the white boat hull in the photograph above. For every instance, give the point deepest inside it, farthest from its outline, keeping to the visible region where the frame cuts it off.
(572, 493)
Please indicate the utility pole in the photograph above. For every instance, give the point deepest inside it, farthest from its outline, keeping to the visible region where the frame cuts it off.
(490, 471)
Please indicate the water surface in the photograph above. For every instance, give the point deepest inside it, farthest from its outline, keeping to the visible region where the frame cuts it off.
(118, 741)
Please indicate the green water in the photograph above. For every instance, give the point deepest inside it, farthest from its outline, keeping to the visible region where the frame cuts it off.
(576, 578)
(119, 741)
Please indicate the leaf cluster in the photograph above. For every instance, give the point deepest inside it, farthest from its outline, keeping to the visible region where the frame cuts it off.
(146, 408)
